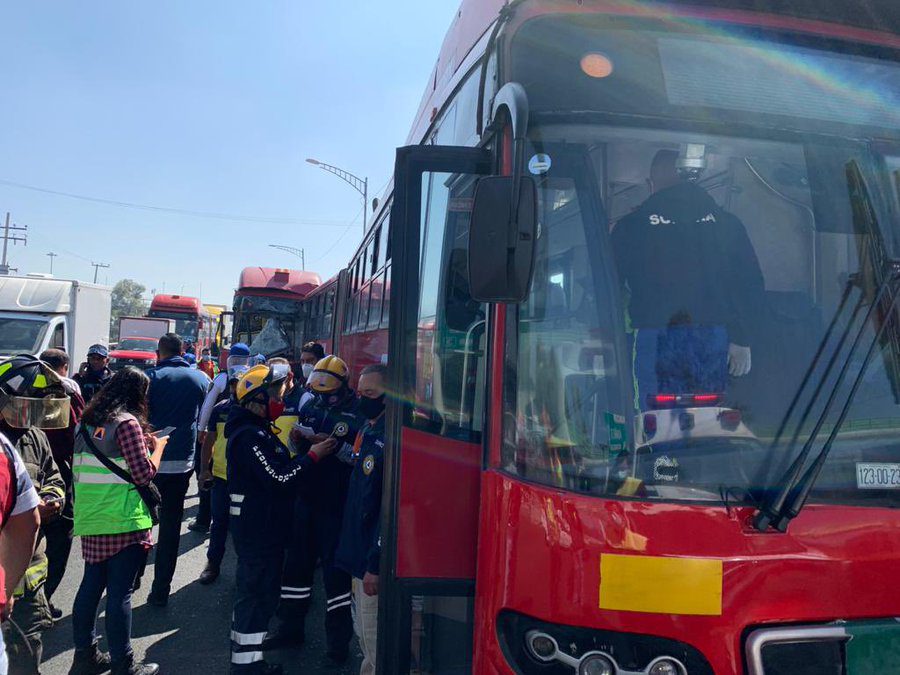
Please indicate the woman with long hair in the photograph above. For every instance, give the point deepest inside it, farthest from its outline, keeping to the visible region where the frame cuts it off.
(112, 519)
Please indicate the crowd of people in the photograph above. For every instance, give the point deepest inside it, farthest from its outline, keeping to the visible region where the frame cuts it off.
(289, 464)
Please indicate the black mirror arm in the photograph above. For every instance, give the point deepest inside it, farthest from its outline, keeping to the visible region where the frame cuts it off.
(514, 100)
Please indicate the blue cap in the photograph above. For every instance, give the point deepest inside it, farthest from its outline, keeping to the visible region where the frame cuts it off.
(98, 350)
(190, 357)
(239, 349)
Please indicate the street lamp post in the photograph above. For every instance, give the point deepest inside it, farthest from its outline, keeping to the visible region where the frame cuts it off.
(361, 185)
(299, 252)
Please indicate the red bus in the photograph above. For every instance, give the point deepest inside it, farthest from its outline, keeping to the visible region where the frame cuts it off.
(269, 314)
(541, 513)
(324, 309)
(192, 320)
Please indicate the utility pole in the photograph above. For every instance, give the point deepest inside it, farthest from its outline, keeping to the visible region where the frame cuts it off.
(52, 255)
(14, 238)
(299, 252)
(97, 267)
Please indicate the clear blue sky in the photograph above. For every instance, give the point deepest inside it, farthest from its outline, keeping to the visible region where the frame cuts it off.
(206, 106)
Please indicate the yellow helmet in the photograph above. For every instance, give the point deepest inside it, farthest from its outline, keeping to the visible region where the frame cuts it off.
(329, 375)
(259, 378)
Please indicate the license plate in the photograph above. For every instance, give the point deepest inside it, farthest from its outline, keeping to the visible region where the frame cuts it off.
(877, 476)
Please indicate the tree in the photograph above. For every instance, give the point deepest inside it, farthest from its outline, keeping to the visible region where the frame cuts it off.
(127, 300)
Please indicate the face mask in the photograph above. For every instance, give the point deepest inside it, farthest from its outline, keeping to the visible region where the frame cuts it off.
(370, 408)
(275, 409)
(307, 370)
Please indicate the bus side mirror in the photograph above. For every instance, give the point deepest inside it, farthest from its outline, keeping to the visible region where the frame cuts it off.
(502, 238)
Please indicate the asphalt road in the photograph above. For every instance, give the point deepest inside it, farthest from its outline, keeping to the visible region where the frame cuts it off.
(191, 634)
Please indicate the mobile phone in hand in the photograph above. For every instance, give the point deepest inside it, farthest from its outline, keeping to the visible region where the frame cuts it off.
(163, 433)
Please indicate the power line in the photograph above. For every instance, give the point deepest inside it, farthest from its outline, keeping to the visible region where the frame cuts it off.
(344, 234)
(176, 211)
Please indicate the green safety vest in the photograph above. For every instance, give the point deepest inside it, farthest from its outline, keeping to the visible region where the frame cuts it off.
(104, 503)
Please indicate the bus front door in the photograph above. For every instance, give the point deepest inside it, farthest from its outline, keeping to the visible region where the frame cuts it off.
(434, 455)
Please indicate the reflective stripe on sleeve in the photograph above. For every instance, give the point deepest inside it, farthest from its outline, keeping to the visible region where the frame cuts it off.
(234, 510)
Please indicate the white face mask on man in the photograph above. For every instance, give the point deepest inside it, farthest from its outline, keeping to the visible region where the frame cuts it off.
(307, 369)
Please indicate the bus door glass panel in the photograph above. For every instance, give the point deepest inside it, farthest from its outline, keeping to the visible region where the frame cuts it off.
(435, 491)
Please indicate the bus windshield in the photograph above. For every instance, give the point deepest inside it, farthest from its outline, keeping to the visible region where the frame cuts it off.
(186, 325)
(268, 325)
(684, 281)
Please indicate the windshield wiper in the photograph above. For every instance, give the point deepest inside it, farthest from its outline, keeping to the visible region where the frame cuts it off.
(877, 271)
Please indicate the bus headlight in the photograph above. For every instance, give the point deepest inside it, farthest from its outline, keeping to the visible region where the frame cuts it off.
(542, 646)
(596, 663)
(666, 666)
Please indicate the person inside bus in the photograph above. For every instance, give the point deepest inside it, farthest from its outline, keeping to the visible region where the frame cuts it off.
(693, 280)
(359, 548)
(93, 373)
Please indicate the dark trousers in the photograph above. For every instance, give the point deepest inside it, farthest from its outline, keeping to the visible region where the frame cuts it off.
(218, 529)
(314, 539)
(116, 575)
(203, 508)
(172, 488)
(31, 614)
(255, 598)
(58, 535)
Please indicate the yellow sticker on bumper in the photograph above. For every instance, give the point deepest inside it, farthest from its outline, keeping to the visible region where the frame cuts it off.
(639, 583)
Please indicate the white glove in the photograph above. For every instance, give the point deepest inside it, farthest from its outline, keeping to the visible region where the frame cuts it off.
(738, 360)
(306, 432)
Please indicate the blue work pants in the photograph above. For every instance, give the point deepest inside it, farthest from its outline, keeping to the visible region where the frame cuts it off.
(116, 575)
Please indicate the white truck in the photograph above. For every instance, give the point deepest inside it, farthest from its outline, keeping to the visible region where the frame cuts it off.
(37, 312)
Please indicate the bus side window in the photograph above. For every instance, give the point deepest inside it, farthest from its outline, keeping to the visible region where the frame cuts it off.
(386, 302)
(451, 327)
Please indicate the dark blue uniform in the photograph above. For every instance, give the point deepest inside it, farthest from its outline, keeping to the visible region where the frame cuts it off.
(262, 480)
(318, 515)
(359, 549)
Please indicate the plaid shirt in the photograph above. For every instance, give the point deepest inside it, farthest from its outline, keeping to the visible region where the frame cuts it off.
(96, 548)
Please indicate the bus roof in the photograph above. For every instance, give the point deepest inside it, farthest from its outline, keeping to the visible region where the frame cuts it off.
(178, 303)
(475, 17)
(277, 282)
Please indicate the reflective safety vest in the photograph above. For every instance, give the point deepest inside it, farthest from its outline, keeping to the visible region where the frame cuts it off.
(104, 503)
(219, 466)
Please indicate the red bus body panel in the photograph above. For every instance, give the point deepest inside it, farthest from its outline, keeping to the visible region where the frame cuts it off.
(277, 282)
(177, 303)
(434, 542)
(540, 555)
(359, 350)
